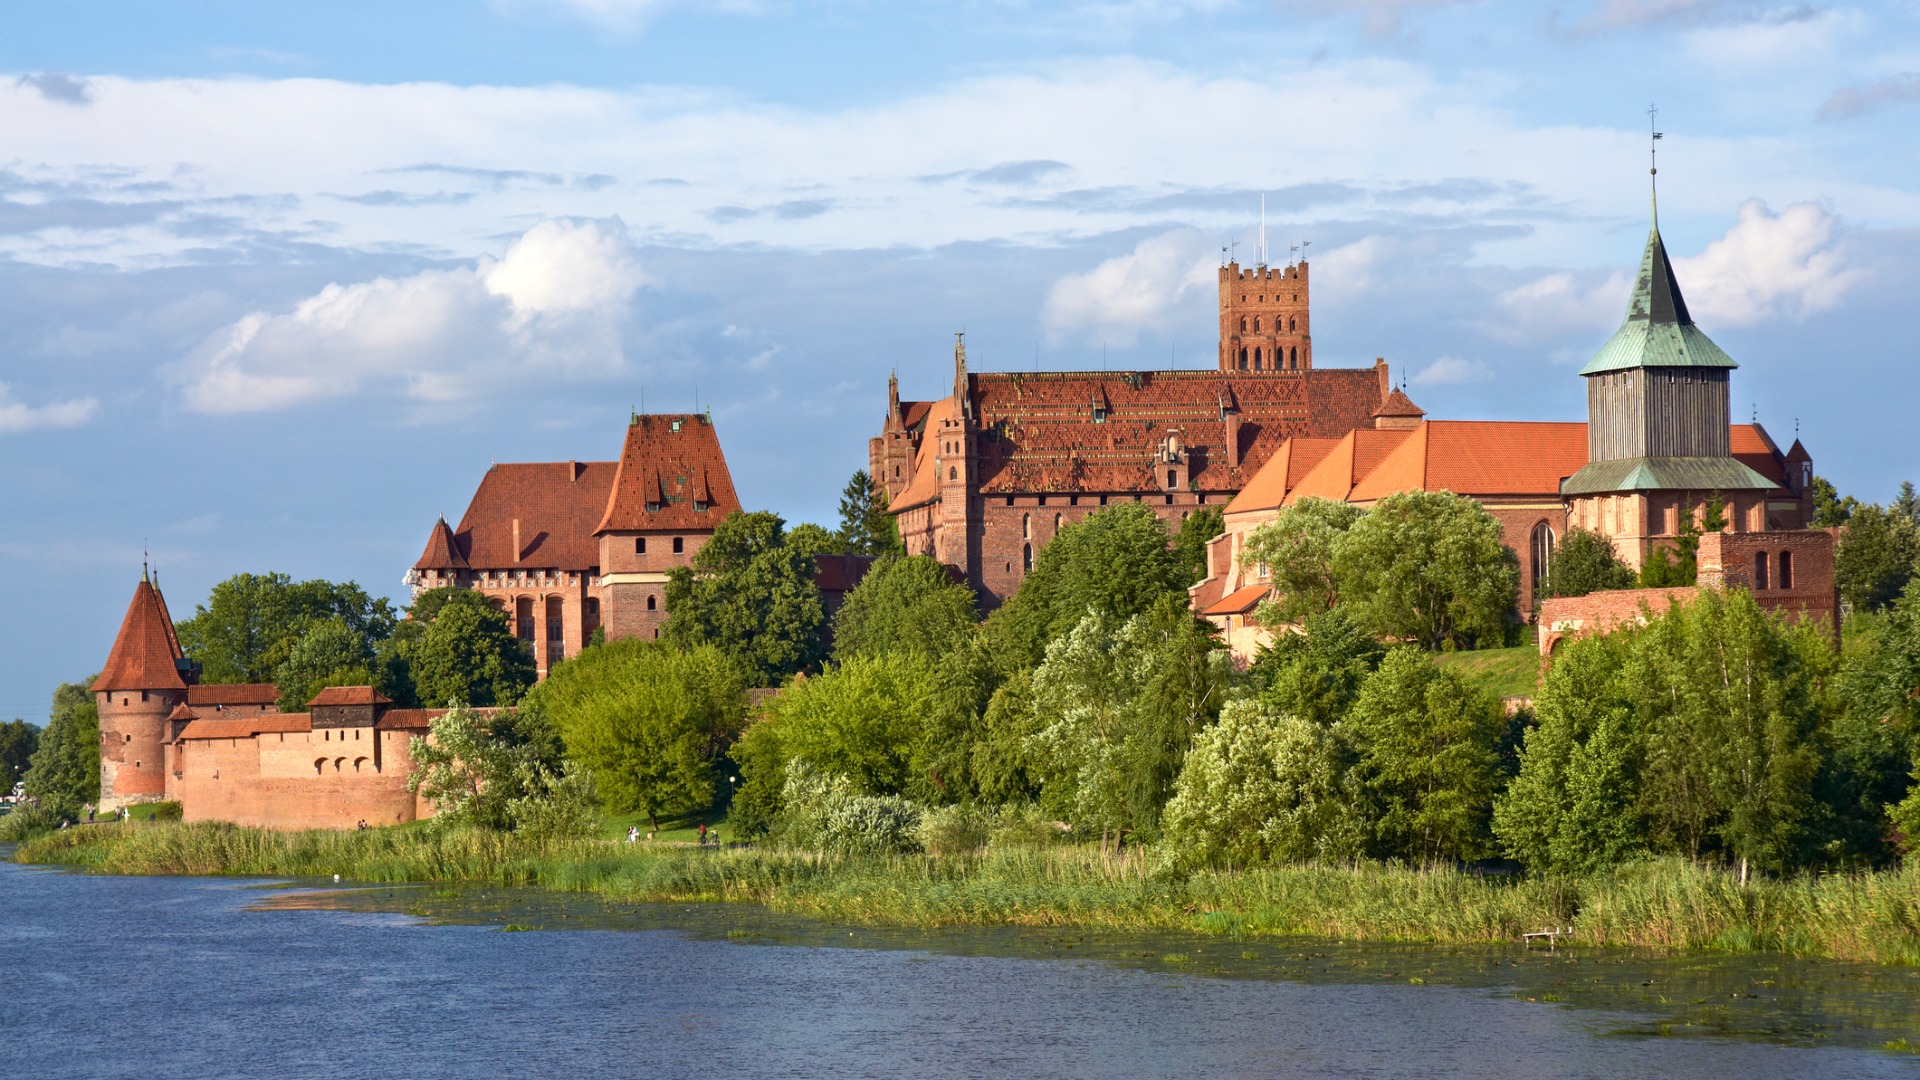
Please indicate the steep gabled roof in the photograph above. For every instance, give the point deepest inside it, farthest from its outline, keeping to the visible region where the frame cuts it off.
(1287, 467)
(1350, 460)
(145, 654)
(443, 551)
(1398, 406)
(667, 458)
(1658, 331)
(924, 485)
(557, 504)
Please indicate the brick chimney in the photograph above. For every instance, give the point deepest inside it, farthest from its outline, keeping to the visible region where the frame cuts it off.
(516, 539)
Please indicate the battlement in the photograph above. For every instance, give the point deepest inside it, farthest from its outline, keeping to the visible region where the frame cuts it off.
(1257, 274)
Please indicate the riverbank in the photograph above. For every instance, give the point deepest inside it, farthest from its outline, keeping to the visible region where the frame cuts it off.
(1872, 917)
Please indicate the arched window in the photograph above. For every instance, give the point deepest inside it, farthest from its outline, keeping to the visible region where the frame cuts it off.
(1759, 570)
(319, 764)
(1542, 552)
(953, 473)
(1294, 362)
(1056, 524)
(1026, 526)
(652, 602)
(1786, 569)
(1293, 324)
(1256, 324)
(1243, 323)
(1026, 558)
(1243, 359)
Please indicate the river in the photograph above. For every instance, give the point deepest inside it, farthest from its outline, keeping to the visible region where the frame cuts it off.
(203, 978)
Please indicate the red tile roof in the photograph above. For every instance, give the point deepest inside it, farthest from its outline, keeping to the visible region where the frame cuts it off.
(443, 551)
(1287, 467)
(1755, 449)
(349, 695)
(1481, 458)
(1398, 406)
(145, 652)
(556, 503)
(924, 486)
(181, 712)
(246, 727)
(233, 694)
(1239, 601)
(1350, 460)
(414, 719)
(672, 476)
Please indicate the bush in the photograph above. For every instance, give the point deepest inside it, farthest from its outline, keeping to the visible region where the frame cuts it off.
(873, 825)
(956, 830)
(165, 811)
(26, 820)
(1025, 825)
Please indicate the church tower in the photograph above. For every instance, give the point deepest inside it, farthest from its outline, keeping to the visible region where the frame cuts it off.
(1658, 425)
(1264, 324)
(145, 678)
(954, 460)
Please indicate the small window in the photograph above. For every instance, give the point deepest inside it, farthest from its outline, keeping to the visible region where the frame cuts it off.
(1293, 324)
(1256, 324)
(679, 545)
(653, 602)
(953, 473)
(1759, 570)
(1026, 558)
(639, 545)
(1786, 569)
(1172, 478)
(1243, 323)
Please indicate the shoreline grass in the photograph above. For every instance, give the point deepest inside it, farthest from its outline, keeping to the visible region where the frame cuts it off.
(1871, 917)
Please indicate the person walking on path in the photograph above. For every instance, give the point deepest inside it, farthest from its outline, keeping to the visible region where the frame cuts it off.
(703, 832)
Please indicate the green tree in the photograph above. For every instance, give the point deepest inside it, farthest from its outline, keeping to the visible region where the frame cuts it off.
(1585, 562)
(1829, 508)
(1316, 675)
(1724, 694)
(64, 772)
(904, 604)
(750, 592)
(1262, 786)
(1294, 554)
(1428, 566)
(18, 740)
(250, 623)
(1428, 758)
(467, 655)
(1877, 734)
(1115, 561)
(650, 720)
(329, 653)
(1190, 543)
(1116, 707)
(1572, 806)
(488, 774)
(1875, 557)
(866, 528)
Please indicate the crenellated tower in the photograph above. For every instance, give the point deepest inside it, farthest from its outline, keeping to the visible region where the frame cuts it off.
(1264, 323)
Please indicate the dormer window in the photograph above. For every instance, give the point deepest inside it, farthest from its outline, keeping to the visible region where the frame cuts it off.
(653, 507)
(699, 506)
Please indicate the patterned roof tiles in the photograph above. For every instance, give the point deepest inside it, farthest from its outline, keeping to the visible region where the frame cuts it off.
(672, 477)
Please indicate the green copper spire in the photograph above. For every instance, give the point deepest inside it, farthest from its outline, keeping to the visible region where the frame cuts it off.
(1658, 331)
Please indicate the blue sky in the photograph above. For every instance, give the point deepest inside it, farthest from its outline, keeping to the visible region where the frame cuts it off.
(278, 282)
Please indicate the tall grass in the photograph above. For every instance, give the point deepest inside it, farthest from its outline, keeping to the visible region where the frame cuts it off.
(1669, 903)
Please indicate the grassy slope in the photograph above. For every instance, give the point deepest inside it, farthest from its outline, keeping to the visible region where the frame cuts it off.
(1862, 917)
(1503, 673)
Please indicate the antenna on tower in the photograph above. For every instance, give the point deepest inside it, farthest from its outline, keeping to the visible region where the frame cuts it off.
(1293, 252)
(1263, 230)
(1235, 248)
(1653, 160)
(1303, 249)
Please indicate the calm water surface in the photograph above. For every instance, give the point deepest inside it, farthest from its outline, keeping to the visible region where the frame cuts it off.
(197, 977)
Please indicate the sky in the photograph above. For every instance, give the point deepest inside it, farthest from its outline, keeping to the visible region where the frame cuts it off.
(279, 281)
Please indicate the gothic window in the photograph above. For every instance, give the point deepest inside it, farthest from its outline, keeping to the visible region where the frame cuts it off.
(1542, 551)
(1293, 324)
(1026, 558)
(653, 602)
(1256, 324)
(953, 473)
(1786, 569)
(1243, 359)
(1243, 322)
(1056, 524)
(1026, 526)
(1294, 361)
(1759, 570)
(1256, 359)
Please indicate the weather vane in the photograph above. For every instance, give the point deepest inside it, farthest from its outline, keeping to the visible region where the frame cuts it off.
(1653, 156)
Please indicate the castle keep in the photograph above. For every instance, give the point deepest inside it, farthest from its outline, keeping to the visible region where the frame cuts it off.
(983, 478)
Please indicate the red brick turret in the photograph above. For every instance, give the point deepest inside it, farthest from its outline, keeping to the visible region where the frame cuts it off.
(144, 680)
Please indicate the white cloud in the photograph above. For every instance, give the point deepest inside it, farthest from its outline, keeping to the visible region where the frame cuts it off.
(551, 307)
(1768, 266)
(625, 14)
(1451, 371)
(17, 417)
(1141, 291)
(1559, 304)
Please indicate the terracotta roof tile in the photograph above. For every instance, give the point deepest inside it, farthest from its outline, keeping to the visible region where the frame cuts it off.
(145, 653)
(1398, 405)
(443, 552)
(246, 727)
(1268, 488)
(413, 719)
(181, 712)
(669, 462)
(557, 504)
(1239, 601)
(1347, 464)
(349, 695)
(1755, 449)
(233, 694)
(1482, 458)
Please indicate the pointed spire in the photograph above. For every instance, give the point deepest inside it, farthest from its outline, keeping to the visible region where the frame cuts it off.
(145, 653)
(442, 551)
(1656, 295)
(962, 386)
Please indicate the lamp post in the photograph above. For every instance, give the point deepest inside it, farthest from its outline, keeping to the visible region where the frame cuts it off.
(731, 782)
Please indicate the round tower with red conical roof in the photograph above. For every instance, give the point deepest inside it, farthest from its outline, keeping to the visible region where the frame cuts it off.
(145, 678)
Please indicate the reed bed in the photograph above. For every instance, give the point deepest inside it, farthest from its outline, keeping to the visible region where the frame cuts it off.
(1663, 904)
